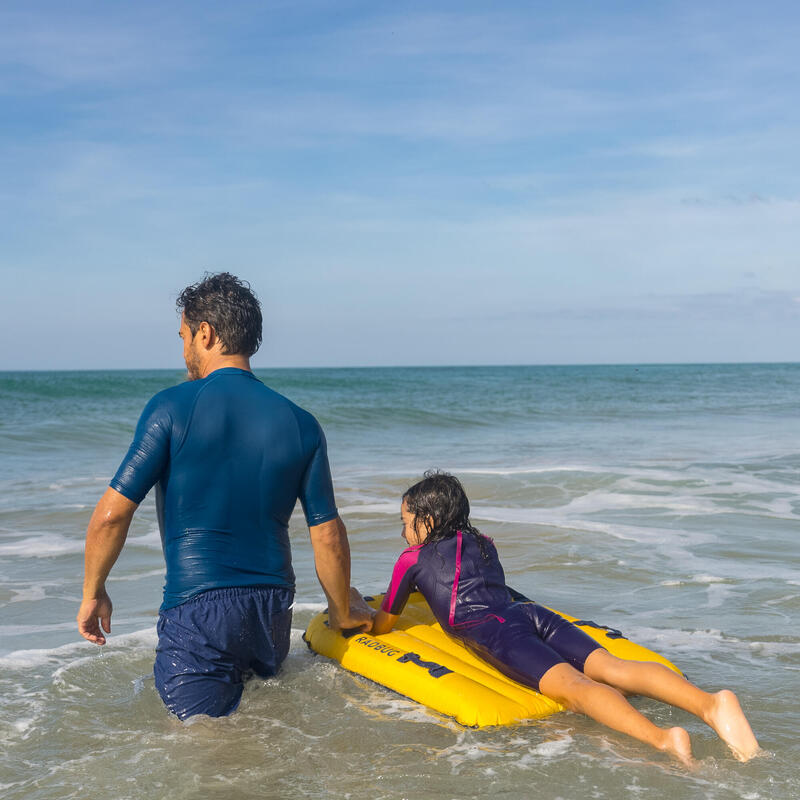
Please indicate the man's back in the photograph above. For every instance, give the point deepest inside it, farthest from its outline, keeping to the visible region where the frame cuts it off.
(229, 457)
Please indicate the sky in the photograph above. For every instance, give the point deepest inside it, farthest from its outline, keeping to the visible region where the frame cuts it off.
(402, 183)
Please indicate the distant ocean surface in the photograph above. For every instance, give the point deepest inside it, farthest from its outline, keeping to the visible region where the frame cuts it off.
(661, 500)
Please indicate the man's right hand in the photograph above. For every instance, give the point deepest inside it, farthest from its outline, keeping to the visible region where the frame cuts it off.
(93, 613)
(359, 614)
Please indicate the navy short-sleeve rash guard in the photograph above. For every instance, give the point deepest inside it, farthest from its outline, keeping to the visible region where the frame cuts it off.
(229, 458)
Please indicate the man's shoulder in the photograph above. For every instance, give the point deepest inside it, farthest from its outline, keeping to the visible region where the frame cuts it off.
(175, 395)
(170, 405)
(303, 416)
(306, 421)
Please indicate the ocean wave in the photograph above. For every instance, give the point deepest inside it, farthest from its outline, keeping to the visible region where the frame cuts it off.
(30, 629)
(42, 545)
(28, 659)
(682, 492)
(136, 576)
(701, 579)
(315, 607)
(151, 540)
(30, 594)
(384, 508)
(45, 544)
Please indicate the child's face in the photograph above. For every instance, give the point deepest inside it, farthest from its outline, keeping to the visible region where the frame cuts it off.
(410, 534)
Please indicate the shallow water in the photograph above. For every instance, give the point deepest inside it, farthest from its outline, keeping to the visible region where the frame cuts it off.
(660, 500)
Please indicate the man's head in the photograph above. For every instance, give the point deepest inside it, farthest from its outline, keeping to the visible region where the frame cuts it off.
(224, 313)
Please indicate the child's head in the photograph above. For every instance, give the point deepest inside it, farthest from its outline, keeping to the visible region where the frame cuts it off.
(435, 508)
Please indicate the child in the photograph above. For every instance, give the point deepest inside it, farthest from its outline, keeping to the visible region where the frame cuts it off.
(457, 570)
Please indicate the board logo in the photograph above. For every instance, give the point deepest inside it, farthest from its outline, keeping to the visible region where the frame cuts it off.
(436, 670)
(377, 646)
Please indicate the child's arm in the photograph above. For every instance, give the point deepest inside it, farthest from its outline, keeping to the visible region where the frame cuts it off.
(400, 588)
(382, 622)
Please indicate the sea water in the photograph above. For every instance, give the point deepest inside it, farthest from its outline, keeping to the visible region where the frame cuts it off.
(661, 500)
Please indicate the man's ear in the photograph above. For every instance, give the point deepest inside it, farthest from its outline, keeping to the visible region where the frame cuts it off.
(208, 336)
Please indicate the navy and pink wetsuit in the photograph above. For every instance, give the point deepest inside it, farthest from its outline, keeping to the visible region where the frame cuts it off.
(469, 598)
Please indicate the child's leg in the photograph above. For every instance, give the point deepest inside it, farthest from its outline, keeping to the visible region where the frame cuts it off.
(605, 704)
(721, 710)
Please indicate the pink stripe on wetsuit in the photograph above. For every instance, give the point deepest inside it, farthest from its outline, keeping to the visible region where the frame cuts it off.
(454, 592)
(459, 585)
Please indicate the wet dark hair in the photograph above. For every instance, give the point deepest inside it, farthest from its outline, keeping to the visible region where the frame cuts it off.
(229, 306)
(440, 498)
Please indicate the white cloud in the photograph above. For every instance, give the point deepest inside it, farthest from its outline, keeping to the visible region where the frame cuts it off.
(48, 49)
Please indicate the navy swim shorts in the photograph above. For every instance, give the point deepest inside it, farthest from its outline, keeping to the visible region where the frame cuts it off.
(211, 644)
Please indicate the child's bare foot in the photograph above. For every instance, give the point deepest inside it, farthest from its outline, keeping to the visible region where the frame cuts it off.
(677, 743)
(728, 720)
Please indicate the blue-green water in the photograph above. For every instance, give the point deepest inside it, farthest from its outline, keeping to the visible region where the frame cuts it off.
(660, 499)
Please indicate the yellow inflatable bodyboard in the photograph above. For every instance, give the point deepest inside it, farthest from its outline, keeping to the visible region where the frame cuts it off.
(418, 660)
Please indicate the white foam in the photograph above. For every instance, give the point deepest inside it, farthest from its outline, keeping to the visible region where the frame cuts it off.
(544, 751)
(404, 710)
(42, 545)
(780, 600)
(316, 607)
(75, 481)
(714, 491)
(718, 490)
(466, 749)
(775, 649)
(717, 594)
(673, 503)
(670, 542)
(672, 640)
(24, 724)
(555, 747)
(151, 573)
(523, 514)
(18, 630)
(540, 470)
(28, 595)
(555, 518)
(150, 540)
(26, 659)
(373, 508)
(701, 579)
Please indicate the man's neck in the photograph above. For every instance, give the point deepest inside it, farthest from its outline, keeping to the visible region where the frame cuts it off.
(221, 362)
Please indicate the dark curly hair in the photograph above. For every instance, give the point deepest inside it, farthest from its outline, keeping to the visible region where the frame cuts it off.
(229, 306)
(440, 499)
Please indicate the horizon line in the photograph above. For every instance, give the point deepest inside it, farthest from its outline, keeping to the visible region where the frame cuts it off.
(427, 366)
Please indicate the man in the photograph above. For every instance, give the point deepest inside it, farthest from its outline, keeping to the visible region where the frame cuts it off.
(229, 458)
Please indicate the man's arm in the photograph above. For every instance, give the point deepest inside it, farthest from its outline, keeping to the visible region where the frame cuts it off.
(105, 536)
(332, 560)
